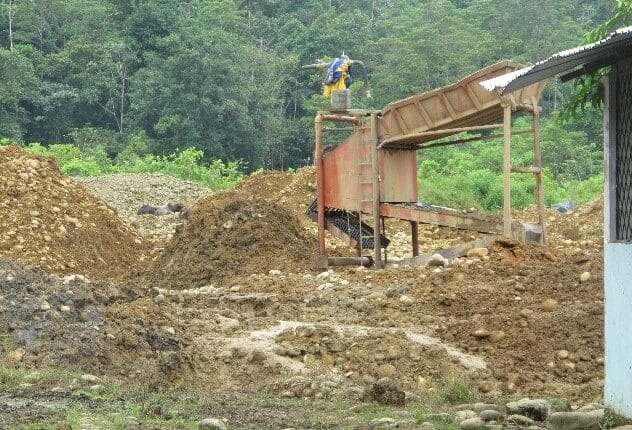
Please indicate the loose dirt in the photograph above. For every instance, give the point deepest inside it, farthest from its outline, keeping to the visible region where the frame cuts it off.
(53, 223)
(229, 298)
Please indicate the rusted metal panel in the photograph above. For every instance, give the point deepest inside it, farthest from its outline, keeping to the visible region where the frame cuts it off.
(398, 176)
(342, 174)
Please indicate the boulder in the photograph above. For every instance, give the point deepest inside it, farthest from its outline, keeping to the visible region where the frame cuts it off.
(472, 424)
(589, 420)
(536, 409)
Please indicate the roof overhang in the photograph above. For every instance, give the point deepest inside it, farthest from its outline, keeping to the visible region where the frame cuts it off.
(574, 62)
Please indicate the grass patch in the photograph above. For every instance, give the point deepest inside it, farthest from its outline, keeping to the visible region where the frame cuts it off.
(457, 390)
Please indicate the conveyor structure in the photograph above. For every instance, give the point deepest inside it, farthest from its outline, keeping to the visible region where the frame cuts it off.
(373, 172)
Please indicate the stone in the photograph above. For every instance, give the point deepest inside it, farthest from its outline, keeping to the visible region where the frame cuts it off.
(472, 424)
(490, 415)
(562, 354)
(274, 272)
(45, 306)
(437, 260)
(384, 423)
(86, 377)
(427, 426)
(406, 300)
(559, 404)
(589, 420)
(520, 420)
(536, 409)
(480, 407)
(64, 308)
(212, 424)
(478, 252)
(584, 277)
(16, 355)
(159, 298)
(549, 305)
(481, 333)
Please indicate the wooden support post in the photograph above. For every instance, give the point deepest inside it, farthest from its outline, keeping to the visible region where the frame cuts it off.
(537, 158)
(507, 168)
(414, 231)
(377, 245)
(320, 175)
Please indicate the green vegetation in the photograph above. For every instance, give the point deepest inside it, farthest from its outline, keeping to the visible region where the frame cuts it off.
(117, 405)
(456, 390)
(174, 86)
(471, 176)
(187, 164)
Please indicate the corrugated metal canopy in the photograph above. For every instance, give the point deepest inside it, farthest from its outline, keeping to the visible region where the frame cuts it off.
(580, 60)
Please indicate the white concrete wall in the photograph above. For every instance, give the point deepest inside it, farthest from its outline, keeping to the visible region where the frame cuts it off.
(618, 327)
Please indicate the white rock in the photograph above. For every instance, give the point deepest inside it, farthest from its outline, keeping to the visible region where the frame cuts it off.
(170, 330)
(478, 252)
(212, 424)
(89, 378)
(274, 272)
(437, 260)
(325, 286)
(323, 275)
(584, 277)
(406, 300)
(64, 308)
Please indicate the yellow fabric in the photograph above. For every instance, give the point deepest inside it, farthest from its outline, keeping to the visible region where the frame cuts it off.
(340, 83)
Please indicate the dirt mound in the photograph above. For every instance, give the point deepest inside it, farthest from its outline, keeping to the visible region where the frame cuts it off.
(294, 191)
(53, 223)
(68, 322)
(531, 318)
(232, 233)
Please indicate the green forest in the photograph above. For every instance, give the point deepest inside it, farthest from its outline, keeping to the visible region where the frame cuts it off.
(218, 83)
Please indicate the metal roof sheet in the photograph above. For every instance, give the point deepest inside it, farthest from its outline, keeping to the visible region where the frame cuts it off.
(614, 47)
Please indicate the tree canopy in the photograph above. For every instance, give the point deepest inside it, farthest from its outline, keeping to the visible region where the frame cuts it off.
(224, 76)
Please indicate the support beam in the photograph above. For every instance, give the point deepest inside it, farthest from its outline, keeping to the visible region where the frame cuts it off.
(377, 244)
(320, 185)
(439, 133)
(414, 232)
(507, 169)
(537, 157)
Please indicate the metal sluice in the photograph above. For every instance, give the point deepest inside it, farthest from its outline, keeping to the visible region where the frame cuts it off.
(349, 224)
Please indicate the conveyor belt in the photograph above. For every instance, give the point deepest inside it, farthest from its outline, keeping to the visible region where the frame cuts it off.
(349, 224)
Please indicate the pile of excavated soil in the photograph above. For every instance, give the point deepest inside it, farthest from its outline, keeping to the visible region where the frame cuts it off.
(68, 323)
(530, 315)
(229, 234)
(53, 223)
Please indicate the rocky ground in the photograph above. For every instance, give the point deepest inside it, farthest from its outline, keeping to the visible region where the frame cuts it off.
(229, 301)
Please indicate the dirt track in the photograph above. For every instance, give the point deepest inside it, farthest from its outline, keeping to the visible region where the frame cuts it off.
(232, 300)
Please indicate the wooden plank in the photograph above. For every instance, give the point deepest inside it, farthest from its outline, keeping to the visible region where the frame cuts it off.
(448, 106)
(424, 114)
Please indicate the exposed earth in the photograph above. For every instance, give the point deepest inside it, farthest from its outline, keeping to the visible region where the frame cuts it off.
(230, 299)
